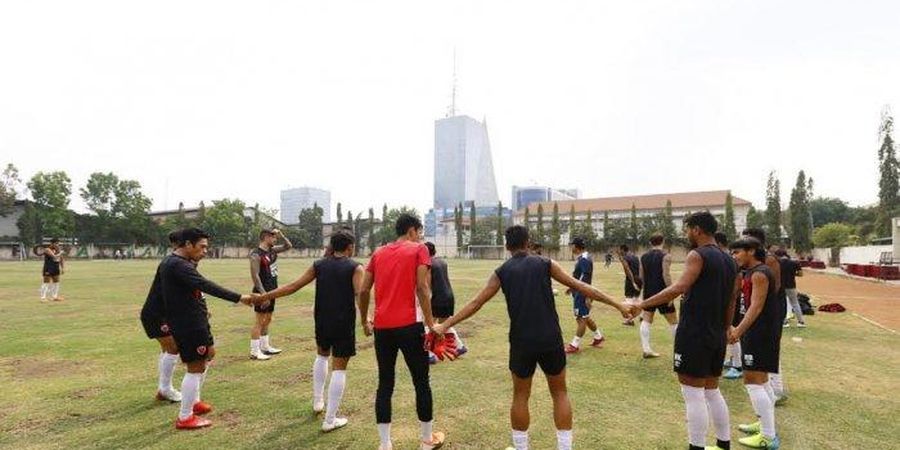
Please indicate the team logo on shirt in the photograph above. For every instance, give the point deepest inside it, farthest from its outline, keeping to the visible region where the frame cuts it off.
(201, 350)
(164, 328)
(748, 360)
(678, 360)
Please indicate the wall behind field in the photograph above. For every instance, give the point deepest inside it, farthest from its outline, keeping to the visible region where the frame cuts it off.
(854, 255)
(92, 251)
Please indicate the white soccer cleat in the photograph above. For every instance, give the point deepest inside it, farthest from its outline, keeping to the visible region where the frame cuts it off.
(169, 396)
(260, 356)
(272, 351)
(339, 422)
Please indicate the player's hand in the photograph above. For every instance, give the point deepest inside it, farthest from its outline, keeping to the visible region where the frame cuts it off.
(439, 329)
(733, 335)
(247, 299)
(367, 327)
(276, 232)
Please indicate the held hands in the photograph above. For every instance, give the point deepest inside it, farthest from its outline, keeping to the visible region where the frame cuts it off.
(734, 335)
(631, 311)
(367, 327)
(439, 330)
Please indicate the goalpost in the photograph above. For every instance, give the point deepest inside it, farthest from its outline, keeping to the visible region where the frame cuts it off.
(485, 252)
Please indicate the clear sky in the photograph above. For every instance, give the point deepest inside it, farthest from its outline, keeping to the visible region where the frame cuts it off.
(202, 100)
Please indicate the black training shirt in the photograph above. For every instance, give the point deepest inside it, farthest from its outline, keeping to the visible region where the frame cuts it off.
(182, 293)
(335, 310)
(534, 324)
(705, 304)
(441, 291)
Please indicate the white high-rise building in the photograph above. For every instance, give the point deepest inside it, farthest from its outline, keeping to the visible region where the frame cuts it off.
(295, 200)
(523, 196)
(463, 166)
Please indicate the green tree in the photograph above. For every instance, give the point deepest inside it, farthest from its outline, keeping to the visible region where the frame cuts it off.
(310, 221)
(555, 233)
(585, 230)
(633, 227)
(482, 232)
(458, 225)
(755, 218)
(667, 227)
(729, 229)
(501, 229)
(527, 219)
(51, 192)
(9, 185)
(889, 176)
(828, 210)
(225, 223)
(801, 224)
(571, 220)
(386, 233)
(30, 225)
(773, 209)
(833, 236)
(539, 236)
(606, 224)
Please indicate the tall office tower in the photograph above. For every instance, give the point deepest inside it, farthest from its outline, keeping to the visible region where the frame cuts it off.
(463, 167)
(297, 199)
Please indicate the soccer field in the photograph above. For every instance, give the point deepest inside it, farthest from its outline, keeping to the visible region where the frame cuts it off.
(82, 374)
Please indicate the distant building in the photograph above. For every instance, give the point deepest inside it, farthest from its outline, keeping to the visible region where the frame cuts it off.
(297, 199)
(9, 227)
(522, 196)
(645, 205)
(463, 166)
(193, 212)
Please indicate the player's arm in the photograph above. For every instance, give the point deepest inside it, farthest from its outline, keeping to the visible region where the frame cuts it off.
(186, 273)
(667, 269)
(487, 292)
(773, 264)
(560, 275)
(692, 267)
(423, 291)
(254, 273)
(362, 301)
(283, 247)
(757, 303)
(359, 275)
(291, 287)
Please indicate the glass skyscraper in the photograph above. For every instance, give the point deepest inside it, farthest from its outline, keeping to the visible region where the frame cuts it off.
(463, 166)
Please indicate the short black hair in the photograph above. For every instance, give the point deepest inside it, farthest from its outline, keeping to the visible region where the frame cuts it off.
(175, 237)
(703, 220)
(750, 243)
(757, 233)
(405, 222)
(721, 238)
(516, 237)
(431, 250)
(657, 239)
(624, 248)
(265, 232)
(192, 235)
(577, 242)
(341, 240)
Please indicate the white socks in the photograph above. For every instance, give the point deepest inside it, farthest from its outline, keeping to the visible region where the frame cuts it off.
(254, 346)
(202, 381)
(576, 341)
(645, 336)
(673, 329)
(520, 439)
(564, 439)
(426, 430)
(53, 290)
(776, 383)
(718, 412)
(264, 342)
(166, 370)
(190, 394)
(335, 393)
(320, 370)
(44, 289)
(598, 334)
(697, 415)
(736, 355)
(765, 407)
(384, 434)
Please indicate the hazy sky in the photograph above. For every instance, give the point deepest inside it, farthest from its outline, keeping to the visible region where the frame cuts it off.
(204, 100)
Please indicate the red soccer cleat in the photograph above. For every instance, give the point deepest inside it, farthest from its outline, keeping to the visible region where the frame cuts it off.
(598, 342)
(192, 423)
(570, 349)
(201, 408)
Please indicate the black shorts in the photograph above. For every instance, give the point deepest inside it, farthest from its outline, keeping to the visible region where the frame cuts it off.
(267, 309)
(442, 310)
(51, 271)
(193, 344)
(155, 327)
(340, 347)
(663, 309)
(761, 350)
(698, 360)
(523, 361)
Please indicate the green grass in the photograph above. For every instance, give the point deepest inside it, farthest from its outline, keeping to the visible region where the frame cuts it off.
(81, 374)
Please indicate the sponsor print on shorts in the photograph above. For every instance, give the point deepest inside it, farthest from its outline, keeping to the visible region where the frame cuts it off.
(748, 360)
(201, 350)
(164, 328)
(677, 360)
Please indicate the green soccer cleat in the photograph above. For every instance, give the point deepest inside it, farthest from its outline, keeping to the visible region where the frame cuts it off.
(750, 428)
(760, 441)
(712, 447)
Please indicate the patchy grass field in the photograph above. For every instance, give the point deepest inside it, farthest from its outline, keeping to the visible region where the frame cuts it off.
(81, 374)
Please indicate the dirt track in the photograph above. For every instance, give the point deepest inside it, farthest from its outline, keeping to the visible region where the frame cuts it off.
(876, 301)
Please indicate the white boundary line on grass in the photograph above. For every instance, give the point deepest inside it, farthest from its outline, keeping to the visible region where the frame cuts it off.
(874, 323)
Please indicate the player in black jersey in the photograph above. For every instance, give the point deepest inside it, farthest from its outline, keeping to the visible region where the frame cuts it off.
(182, 289)
(264, 273)
(710, 285)
(535, 338)
(631, 266)
(338, 282)
(759, 333)
(656, 276)
(443, 302)
(153, 319)
(733, 360)
(54, 266)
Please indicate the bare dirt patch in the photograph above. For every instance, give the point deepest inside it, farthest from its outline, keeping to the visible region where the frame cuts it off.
(876, 301)
(29, 368)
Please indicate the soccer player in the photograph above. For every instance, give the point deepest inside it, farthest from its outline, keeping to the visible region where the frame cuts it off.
(153, 319)
(338, 281)
(399, 273)
(631, 266)
(775, 380)
(54, 266)
(760, 340)
(264, 272)
(709, 284)
(182, 287)
(443, 301)
(790, 270)
(535, 338)
(655, 274)
(733, 360)
(584, 271)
